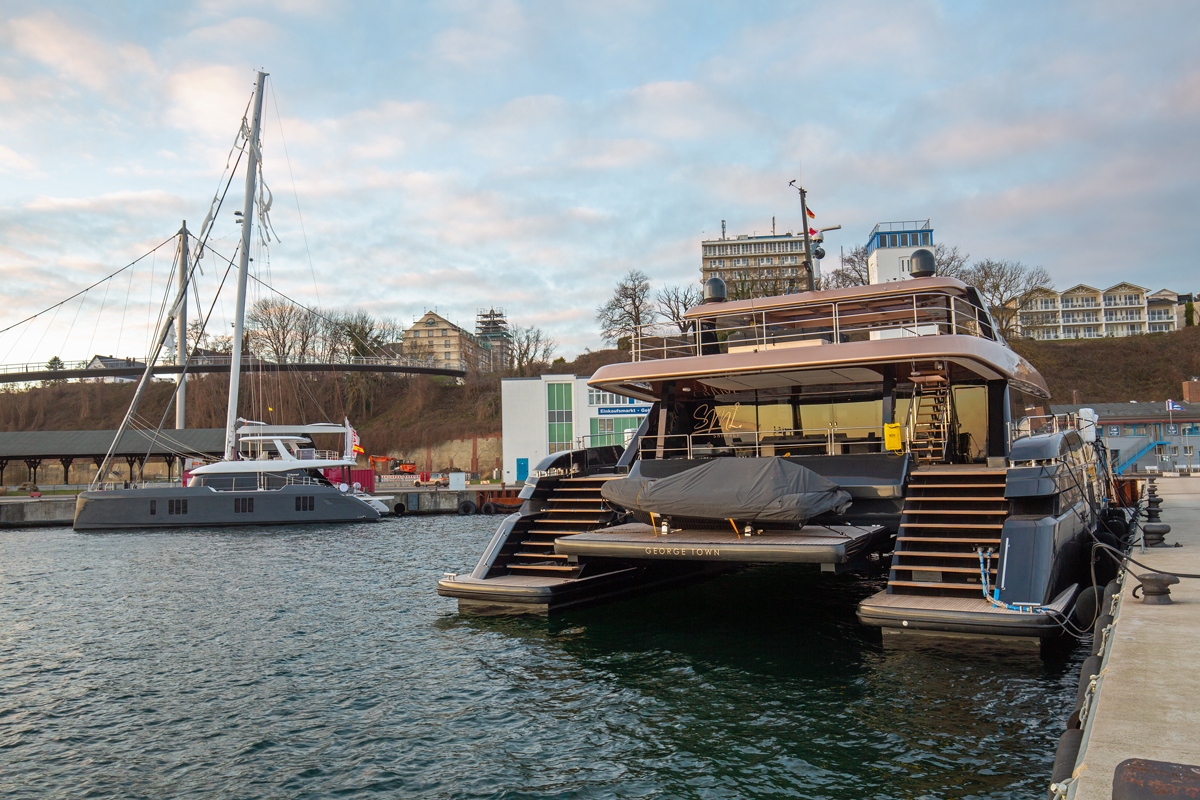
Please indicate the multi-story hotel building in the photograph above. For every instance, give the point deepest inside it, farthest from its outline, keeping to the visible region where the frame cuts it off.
(1085, 312)
(756, 266)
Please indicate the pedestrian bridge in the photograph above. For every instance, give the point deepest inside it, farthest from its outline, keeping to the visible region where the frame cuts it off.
(80, 370)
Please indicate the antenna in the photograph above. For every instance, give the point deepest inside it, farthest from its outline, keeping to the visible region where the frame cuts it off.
(772, 226)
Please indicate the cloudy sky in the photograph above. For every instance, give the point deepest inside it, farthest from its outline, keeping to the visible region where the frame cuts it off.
(459, 155)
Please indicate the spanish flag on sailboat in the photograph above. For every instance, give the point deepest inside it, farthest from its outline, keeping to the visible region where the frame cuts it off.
(353, 444)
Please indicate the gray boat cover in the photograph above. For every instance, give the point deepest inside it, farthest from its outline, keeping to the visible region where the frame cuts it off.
(767, 489)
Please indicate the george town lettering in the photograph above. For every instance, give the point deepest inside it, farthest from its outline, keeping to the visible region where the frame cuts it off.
(683, 551)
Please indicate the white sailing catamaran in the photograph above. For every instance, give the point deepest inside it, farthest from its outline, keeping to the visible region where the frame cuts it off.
(278, 481)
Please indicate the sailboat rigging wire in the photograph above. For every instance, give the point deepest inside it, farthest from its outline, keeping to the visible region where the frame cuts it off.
(295, 194)
(99, 315)
(75, 319)
(48, 325)
(191, 357)
(294, 302)
(121, 330)
(82, 291)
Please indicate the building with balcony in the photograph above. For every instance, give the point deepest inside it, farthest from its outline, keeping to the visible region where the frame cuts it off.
(891, 246)
(756, 266)
(1085, 312)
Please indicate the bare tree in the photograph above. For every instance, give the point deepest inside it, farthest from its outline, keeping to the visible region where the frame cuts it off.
(308, 329)
(851, 272)
(530, 346)
(272, 330)
(629, 308)
(950, 263)
(1004, 285)
(673, 301)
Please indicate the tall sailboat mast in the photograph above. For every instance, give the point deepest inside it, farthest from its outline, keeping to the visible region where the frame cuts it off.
(235, 366)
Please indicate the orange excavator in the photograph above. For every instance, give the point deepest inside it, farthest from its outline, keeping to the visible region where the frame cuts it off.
(394, 466)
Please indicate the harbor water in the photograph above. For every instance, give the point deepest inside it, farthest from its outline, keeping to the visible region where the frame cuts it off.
(319, 662)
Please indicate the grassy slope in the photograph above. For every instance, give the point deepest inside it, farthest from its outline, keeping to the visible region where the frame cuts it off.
(1143, 368)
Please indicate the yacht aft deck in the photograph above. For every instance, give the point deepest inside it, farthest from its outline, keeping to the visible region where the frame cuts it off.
(831, 545)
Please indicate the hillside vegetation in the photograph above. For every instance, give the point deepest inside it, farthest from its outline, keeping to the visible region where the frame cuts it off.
(396, 412)
(1143, 368)
(391, 412)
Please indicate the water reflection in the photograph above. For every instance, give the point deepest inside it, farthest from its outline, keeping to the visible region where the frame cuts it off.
(765, 681)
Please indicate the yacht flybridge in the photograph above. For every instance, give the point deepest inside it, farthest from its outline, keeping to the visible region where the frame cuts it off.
(278, 482)
(853, 428)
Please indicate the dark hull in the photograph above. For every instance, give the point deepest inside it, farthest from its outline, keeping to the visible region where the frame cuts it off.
(123, 509)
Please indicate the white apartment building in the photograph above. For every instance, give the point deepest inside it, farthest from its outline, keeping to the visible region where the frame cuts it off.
(756, 266)
(1085, 312)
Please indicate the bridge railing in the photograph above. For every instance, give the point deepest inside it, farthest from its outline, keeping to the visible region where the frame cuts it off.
(42, 366)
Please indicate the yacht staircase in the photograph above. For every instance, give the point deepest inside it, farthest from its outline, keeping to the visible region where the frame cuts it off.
(929, 419)
(574, 506)
(949, 513)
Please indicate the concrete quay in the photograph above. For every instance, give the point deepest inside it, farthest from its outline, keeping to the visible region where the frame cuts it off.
(33, 512)
(1148, 701)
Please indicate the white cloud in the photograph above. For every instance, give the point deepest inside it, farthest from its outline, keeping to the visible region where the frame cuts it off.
(79, 56)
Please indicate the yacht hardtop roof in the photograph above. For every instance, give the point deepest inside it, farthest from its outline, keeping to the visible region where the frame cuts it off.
(874, 291)
(837, 336)
(275, 430)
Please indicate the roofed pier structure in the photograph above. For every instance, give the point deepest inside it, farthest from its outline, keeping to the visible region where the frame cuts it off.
(136, 447)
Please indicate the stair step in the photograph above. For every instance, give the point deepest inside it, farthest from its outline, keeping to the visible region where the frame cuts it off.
(940, 553)
(964, 499)
(973, 587)
(554, 567)
(555, 521)
(912, 568)
(541, 555)
(965, 525)
(959, 540)
(972, 511)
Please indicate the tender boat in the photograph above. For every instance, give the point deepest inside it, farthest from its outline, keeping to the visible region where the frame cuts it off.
(903, 396)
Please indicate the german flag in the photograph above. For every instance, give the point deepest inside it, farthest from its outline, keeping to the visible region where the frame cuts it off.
(811, 215)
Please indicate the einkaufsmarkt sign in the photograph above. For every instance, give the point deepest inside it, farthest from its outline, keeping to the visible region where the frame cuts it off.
(621, 411)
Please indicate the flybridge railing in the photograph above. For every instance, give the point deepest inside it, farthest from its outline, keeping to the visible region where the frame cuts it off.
(801, 325)
(829, 440)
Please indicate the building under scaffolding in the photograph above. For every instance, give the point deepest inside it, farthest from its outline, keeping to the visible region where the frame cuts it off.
(491, 328)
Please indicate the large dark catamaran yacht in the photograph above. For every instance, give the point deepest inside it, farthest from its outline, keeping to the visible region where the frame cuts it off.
(887, 425)
(270, 474)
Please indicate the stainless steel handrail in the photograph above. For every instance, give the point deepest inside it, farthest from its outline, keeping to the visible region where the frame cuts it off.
(815, 441)
(916, 314)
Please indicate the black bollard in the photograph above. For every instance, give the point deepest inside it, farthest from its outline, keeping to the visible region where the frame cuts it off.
(1156, 588)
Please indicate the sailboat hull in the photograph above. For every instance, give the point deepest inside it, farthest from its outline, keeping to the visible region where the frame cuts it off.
(202, 506)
